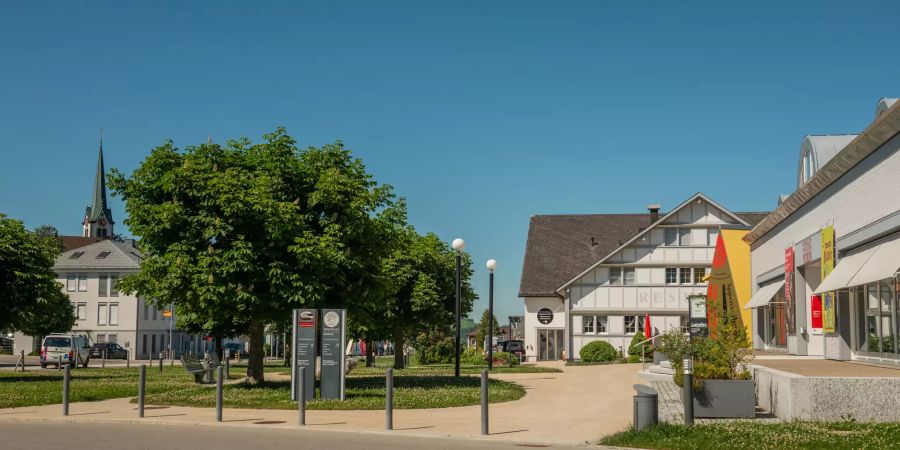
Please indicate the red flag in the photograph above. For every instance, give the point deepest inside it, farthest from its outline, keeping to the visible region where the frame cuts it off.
(648, 332)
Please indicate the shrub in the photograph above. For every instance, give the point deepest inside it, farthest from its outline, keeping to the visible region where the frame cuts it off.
(598, 351)
(435, 347)
(504, 359)
(472, 356)
(633, 348)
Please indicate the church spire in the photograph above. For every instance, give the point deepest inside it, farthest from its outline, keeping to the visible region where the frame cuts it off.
(98, 221)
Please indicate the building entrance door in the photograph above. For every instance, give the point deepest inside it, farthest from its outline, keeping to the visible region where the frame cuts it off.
(550, 344)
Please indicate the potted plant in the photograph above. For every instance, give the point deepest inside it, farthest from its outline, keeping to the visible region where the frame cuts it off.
(722, 384)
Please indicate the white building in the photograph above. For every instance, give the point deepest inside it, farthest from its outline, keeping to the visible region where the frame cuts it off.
(596, 277)
(848, 186)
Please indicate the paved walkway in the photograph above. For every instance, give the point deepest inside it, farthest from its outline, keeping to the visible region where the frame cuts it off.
(575, 407)
(829, 368)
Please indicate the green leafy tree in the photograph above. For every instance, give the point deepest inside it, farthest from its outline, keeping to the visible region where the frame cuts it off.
(236, 236)
(483, 329)
(419, 288)
(31, 300)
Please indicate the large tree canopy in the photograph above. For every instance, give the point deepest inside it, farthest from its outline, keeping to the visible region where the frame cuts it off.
(238, 235)
(31, 300)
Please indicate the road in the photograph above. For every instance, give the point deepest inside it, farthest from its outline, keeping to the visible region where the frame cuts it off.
(40, 435)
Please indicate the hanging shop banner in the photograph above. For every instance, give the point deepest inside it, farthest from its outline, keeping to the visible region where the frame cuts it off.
(827, 265)
(305, 335)
(334, 343)
(789, 290)
(815, 311)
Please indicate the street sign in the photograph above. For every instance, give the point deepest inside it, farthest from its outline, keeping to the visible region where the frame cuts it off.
(305, 336)
(699, 322)
(334, 338)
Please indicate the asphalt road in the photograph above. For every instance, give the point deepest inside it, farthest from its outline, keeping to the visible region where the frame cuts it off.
(108, 436)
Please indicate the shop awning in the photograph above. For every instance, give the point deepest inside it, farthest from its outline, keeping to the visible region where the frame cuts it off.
(873, 264)
(882, 264)
(764, 294)
(844, 271)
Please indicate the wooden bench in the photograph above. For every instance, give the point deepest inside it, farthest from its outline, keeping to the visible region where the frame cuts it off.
(195, 367)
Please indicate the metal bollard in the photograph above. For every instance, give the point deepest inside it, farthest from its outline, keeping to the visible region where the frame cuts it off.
(141, 383)
(103, 361)
(220, 371)
(127, 359)
(228, 363)
(688, 397)
(22, 358)
(389, 400)
(66, 392)
(59, 366)
(301, 396)
(484, 401)
(160, 361)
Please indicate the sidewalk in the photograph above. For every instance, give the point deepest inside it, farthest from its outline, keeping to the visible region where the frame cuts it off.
(575, 407)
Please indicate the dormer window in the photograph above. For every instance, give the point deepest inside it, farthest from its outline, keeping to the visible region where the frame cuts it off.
(807, 170)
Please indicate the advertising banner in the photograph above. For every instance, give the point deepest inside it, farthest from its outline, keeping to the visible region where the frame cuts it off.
(789, 310)
(698, 319)
(334, 343)
(305, 335)
(816, 314)
(827, 235)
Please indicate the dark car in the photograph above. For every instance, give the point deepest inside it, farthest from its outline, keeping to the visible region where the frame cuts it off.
(514, 346)
(236, 350)
(113, 351)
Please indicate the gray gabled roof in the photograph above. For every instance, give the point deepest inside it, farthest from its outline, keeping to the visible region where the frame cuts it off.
(107, 254)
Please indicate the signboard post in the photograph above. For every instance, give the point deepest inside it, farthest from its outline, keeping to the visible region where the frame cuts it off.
(698, 320)
(334, 343)
(305, 336)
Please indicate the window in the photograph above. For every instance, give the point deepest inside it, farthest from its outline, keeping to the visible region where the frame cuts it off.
(629, 276)
(81, 311)
(640, 324)
(112, 339)
(101, 338)
(601, 323)
(154, 312)
(101, 291)
(699, 273)
(113, 289)
(70, 283)
(102, 255)
(113, 313)
(587, 324)
(76, 255)
(671, 237)
(684, 275)
(630, 324)
(101, 313)
(684, 236)
(615, 275)
(82, 283)
(146, 311)
(713, 237)
(152, 345)
(671, 275)
(144, 345)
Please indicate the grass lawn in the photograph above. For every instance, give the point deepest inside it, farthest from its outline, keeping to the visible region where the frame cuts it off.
(752, 435)
(363, 392)
(44, 387)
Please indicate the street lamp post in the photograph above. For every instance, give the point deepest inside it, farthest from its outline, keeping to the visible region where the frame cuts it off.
(491, 265)
(458, 245)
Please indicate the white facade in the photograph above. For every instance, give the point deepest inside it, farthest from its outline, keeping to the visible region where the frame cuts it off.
(862, 205)
(669, 261)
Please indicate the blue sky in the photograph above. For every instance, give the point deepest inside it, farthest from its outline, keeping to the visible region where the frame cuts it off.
(481, 114)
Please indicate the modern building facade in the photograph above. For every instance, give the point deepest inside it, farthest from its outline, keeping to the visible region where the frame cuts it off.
(825, 262)
(597, 277)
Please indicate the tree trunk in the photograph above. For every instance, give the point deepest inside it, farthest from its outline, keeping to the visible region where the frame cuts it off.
(370, 353)
(399, 362)
(218, 345)
(257, 353)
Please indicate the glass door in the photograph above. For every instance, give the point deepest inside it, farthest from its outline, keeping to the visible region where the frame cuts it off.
(550, 344)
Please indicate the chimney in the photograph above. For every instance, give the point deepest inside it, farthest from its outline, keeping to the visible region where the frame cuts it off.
(654, 212)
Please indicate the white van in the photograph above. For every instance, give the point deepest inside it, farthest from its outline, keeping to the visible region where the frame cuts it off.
(73, 348)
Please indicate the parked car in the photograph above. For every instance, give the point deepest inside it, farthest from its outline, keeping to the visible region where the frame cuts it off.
(514, 346)
(113, 350)
(6, 345)
(67, 348)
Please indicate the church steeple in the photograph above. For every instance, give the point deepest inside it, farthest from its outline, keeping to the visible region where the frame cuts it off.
(98, 220)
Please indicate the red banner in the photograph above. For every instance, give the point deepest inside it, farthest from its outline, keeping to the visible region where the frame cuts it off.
(816, 310)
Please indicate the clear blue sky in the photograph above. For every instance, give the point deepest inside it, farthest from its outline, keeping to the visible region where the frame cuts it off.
(481, 114)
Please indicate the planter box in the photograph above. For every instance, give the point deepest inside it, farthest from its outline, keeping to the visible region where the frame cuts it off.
(659, 357)
(726, 399)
